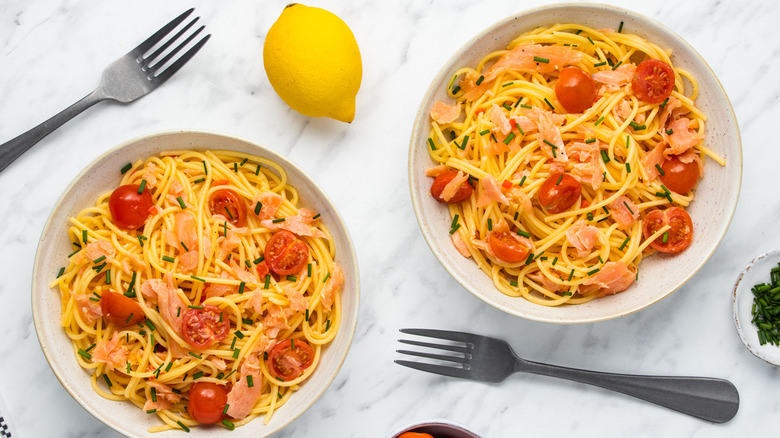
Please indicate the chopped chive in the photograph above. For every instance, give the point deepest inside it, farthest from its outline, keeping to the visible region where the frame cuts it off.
(276, 221)
(589, 216)
(154, 394)
(292, 278)
(197, 278)
(509, 138)
(663, 104)
(454, 220)
(248, 264)
(184, 246)
(178, 311)
(151, 411)
(529, 259)
(226, 422)
(591, 41)
(669, 131)
(480, 79)
(205, 169)
(85, 355)
(507, 106)
(617, 65)
(236, 352)
(327, 325)
(230, 215)
(84, 236)
(593, 271)
(244, 161)
(141, 239)
(167, 368)
(571, 274)
(600, 260)
(628, 168)
(544, 60)
(555, 260)
(604, 156)
(195, 307)
(197, 356)
(62, 271)
(241, 287)
(197, 375)
(599, 121)
(452, 81)
(307, 314)
(199, 180)
(600, 64)
(623, 245)
(507, 84)
(181, 202)
(108, 381)
(485, 132)
(456, 89)
(522, 105)
(142, 186)
(665, 237)
(628, 141)
(549, 104)
(566, 294)
(99, 268)
(490, 224)
(247, 321)
(579, 31)
(620, 28)
(454, 229)
(235, 167)
(661, 171)
(590, 140)
(224, 228)
(267, 281)
(316, 216)
(168, 259)
(559, 180)
(520, 184)
(129, 318)
(258, 260)
(249, 381)
(525, 234)
(513, 283)
(430, 142)
(257, 170)
(125, 168)
(185, 428)
(549, 144)
(94, 299)
(99, 259)
(150, 324)
(465, 141)
(605, 209)
(493, 136)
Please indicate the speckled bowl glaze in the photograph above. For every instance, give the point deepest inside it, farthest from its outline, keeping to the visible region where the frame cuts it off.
(438, 429)
(659, 275)
(757, 271)
(103, 175)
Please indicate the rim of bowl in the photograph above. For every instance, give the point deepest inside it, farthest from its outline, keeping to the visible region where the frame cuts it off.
(459, 428)
(445, 71)
(38, 281)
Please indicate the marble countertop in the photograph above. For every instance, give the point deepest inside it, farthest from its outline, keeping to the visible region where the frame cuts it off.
(52, 53)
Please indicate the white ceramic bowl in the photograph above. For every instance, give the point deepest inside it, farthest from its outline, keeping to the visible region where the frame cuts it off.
(659, 275)
(757, 271)
(102, 175)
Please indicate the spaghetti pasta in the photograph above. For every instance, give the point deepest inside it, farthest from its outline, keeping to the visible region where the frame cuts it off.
(213, 305)
(561, 199)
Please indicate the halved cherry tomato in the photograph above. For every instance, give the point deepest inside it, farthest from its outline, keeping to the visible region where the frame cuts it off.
(207, 401)
(204, 327)
(121, 310)
(508, 247)
(653, 81)
(285, 253)
(559, 192)
(441, 181)
(129, 209)
(289, 359)
(575, 89)
(227, 203)
(415, 435)
(676, 238)
(679, 177)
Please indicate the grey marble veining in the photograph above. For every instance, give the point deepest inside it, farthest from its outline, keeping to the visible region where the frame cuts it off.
(52, 53)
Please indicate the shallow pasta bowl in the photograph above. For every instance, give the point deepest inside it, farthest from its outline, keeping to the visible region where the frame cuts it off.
(659, 275)
(101, 176)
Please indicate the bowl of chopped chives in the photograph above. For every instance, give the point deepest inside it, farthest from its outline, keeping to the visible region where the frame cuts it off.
(756, 306)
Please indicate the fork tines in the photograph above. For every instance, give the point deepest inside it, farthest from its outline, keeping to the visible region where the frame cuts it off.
(454, 365)
(158, 67)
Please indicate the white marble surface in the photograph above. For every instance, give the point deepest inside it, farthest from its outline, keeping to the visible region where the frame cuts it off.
(52, 53)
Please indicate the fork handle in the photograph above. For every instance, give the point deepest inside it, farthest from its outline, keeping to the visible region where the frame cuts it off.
(710, 399)
(14, 148)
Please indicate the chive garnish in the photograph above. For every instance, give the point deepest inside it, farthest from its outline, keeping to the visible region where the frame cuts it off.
(257, 170)
(197, 278)
(276, 221)
(267, 281)
(480, 79)
(549, 144)
(307, 314)
(566, 294)
(150, 324)
(249, 381)
(555, 260)
(199, 180)
(226, 422)
(327, 325)
(248, 264)
(142, 186)
(84, 236)
(108, 381)
(665, 237)
(195, 307)
(593, 271)
(559, 180)
(185, 428)
(168, 259)
(292, 278)
(154, 394)
(316, 216)
(663, 104)
(620, 28)
(628, 168)
(454, 229)
(430, 142)
(181, 202)
(258, 260)
(522, 105)
(85, 355)
(456, 89)
(241, 287)
(600, 64)
(99, 259)
(623, 245)
(493, 136)
(197, 375)
(530, 258)
(62, 271)
(463, 145)
(236, 352)
(235, 167)
(669, 131)
(507, 84)
(525, 234)
(520, 184)
(590, 140)
(509, 138)
(141, 239)
(549, 104)
(544, 60)
(490, 224)
(599, 121)
(507, 106)
(513, 283)
(589, 216)
(617, 65)
(197, 356)
(571, 274)
(125, 168)
(151, 411)
(604, 156)
(591, 41)
(326, 277)
(485, 132)
(661, 171)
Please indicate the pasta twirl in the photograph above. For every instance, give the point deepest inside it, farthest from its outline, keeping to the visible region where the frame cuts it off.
(510, 140)
(236, 286)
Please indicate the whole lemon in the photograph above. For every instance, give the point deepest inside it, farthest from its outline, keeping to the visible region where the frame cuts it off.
(313, 62)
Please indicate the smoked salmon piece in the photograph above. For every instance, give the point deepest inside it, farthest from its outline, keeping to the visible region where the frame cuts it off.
(624, 212)
(112, 353)
(582, 237)
(443, 113)
(243, 397)
(614, 277)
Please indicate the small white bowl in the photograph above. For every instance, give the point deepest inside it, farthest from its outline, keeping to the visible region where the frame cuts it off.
(100, 176)
(660, 274)
(438, 429)
(757, 271)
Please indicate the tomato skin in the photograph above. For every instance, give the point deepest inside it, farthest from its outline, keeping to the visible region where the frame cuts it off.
(128, 208)
(508, 247)
(284, 369)
(207, 401)
(441, 181)
(202, 328)
(120, 310)
(680, 235)
(575, 90)
(229, 204)
(679, 177)
(653, 81)
(285, 253)
(559, 192)
(415, 435)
